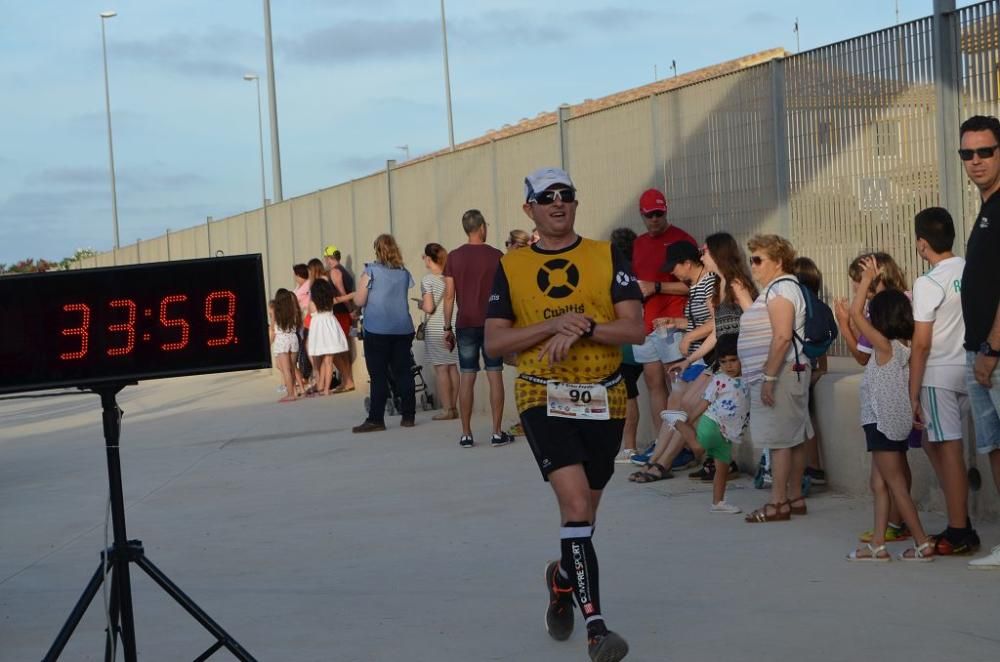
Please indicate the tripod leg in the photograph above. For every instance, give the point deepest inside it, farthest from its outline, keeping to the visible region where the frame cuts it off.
(114, 631)
(196, 612)
(74, 617)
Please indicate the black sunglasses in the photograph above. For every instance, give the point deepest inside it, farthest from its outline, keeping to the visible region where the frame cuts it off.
(655, 214)
(756, 259)
(566, 195)
(981, 152)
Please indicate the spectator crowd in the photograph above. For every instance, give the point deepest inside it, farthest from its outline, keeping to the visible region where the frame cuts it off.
(735, 338)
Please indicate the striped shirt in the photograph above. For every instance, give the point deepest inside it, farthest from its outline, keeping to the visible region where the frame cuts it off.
(755, 327)
(697, 309)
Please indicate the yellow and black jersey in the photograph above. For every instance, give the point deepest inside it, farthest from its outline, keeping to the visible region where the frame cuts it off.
(533, 285)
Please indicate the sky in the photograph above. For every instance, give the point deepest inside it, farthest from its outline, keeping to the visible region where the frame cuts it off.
(355, 79)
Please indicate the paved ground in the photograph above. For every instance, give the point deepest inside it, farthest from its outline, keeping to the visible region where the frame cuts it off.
(308, 543)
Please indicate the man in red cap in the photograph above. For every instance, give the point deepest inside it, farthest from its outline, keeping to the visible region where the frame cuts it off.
(663, 296)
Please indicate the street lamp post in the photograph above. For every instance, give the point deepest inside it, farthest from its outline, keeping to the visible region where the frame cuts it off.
(260, 137)
(447, 78)
(107, 106)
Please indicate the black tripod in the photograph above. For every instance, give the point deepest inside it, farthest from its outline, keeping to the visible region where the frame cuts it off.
(116, 559)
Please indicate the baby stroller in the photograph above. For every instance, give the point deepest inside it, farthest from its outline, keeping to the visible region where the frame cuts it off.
(393, 406)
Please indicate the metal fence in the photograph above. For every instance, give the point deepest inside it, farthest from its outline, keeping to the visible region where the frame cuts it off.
(836, 148)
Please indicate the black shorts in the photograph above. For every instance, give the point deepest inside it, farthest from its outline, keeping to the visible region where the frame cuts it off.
(562, 442)
(631, 374)
(876, 441)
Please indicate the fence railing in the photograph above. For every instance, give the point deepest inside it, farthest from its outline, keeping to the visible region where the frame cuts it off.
(836, 148)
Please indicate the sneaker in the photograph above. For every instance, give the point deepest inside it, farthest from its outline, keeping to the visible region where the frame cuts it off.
(723, 507)
(501, 439)
(642, 458)
(672, 416)
(408, 422)
(466, 441)
(624, 456)
(818, 476)
(282, 388)
(989, 562)
(953, 542)
(893, 533)
(684, 460)
(559, 614)
(707, 471)
(607, 647)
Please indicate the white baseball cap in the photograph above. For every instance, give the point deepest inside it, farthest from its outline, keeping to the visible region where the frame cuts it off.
(542, 179)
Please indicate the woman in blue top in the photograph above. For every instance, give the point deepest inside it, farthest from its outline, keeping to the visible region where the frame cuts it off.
(388, 333)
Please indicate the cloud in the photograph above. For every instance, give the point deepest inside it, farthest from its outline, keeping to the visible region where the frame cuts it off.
(193, 54)
(142, 179)
(360, 39)
(362, 165)
(761, 18)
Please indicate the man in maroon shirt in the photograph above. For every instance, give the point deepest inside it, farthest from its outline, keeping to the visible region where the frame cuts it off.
(468, 279)
(663, 296)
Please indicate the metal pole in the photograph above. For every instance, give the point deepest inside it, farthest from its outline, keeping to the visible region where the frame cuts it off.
(272, 106)
(946, 86)
(447, 79)
(782, 175)
(107, 107)
(563, 114)
(260, 134)
(389, 165)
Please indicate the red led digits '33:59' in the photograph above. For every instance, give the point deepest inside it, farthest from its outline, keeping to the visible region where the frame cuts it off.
(220, 309)
(92, 326)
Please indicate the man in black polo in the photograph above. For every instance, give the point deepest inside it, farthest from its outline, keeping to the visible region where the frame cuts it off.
(980, 153)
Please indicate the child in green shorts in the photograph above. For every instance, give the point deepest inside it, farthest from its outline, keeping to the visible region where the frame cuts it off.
(722, 414)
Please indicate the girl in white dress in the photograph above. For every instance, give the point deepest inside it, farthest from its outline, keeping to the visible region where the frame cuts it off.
(326, 338)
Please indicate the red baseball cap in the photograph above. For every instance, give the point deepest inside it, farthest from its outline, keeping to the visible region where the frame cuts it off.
(652, 200)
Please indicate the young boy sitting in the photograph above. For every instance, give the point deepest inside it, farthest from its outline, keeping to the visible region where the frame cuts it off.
(726, 408)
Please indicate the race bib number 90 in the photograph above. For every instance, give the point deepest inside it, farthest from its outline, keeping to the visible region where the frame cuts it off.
(579, 401)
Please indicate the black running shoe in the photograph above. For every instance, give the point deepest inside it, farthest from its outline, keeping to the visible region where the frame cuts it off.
(607, 647)
(818, 476)
(501, 439)
(956, 542)
(707, 471)
(559, 614)
(466, 441)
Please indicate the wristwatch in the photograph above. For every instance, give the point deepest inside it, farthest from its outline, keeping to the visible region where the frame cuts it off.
(770, 378)
(589, 332)
(657, 286)
(986, 350)
(446, 328)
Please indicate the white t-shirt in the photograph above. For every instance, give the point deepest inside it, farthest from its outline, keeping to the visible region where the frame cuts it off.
(787, 287)
(730, 404)
(937, 298)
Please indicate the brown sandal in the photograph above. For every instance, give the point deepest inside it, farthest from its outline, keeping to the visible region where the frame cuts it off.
(781, 512)
(798, 510)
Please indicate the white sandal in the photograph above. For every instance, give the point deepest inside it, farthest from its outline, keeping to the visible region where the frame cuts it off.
(874, 558)
(918, 553)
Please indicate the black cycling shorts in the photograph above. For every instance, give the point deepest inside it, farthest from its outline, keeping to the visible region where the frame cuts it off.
(562, 442)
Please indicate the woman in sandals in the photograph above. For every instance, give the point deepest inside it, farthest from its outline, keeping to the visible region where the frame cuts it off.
(778, 374)
(444, 360)
(886, 417)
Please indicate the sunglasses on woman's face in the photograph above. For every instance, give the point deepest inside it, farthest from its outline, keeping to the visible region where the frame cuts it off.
(981, 152)
(756, 260)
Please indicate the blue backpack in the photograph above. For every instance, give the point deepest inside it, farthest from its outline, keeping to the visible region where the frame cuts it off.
(820, 328)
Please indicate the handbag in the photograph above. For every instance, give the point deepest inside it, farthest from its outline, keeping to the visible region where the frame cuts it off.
(422, 327)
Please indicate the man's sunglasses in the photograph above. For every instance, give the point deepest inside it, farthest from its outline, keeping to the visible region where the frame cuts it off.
(756, 259)
(981, 152)
(566, 195)
(655, 214)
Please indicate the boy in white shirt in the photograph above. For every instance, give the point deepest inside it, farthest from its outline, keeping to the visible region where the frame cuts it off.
(937, 372)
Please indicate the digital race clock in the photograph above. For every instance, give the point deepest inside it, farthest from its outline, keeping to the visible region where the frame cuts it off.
(120, 324)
